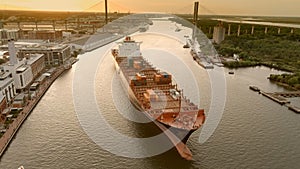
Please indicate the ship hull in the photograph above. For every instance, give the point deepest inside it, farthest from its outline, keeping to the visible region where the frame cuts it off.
(182, 134)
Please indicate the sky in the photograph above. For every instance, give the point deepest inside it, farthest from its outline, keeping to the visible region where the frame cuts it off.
(213, 7)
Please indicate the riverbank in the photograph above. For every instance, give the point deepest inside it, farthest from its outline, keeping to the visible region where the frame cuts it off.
(290, 80)
(241, 64)
(275, 51)
(18, 121)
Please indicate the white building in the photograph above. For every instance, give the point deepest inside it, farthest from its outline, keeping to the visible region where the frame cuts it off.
(129, 48)
(7, 86)
(21, 74)
(20, 71)
(37, 64)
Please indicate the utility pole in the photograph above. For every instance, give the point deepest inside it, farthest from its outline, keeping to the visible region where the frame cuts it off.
(196, 6)
(106, 19)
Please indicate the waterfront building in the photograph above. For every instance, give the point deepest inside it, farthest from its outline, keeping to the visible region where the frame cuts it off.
(3, 108)
(19, 70)
(25, 70)
(21, 73)
(37, 64)
(7, 86)
(13, 34)
(48, 35)
(3, 56)
(3, 104)
(55, 54)
(5, 35)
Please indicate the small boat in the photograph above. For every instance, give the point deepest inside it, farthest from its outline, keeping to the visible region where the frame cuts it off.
(186, 45)
(254, 88)
(231, 72)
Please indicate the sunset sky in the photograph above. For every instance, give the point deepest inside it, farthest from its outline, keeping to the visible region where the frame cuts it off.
(235, 7)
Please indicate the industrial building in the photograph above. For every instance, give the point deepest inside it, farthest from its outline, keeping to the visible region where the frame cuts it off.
(22, 71)
(7, 86)
(55, 54)
(44, 35)
(5, 35)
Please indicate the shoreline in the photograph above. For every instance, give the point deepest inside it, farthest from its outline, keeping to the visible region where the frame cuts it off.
(239, 66)
(284, 85)
(14, 127)
(247, 64)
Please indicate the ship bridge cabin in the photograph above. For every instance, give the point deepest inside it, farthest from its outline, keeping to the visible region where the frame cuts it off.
(129, 48)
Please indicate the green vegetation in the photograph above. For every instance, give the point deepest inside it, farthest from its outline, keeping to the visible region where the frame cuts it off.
(277, 51)
(280, 51)
(235, 64)
(2, 61)
(293, 80)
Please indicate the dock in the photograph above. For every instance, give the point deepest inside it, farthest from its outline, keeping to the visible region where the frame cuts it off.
(288, 94)
(206, 65)
(275, 97)
(280, 97)
(294, 108)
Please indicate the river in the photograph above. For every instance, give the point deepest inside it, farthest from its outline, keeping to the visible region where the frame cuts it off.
(254, 132)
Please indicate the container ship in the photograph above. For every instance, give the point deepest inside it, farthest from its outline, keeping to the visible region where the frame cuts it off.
(153, 93)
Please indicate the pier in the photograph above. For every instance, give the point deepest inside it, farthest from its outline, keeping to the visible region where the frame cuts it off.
(280, 97)
(275, 97)
(288, 94)
(294, 108)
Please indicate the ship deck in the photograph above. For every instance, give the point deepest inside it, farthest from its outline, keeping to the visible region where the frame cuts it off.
(175, 112)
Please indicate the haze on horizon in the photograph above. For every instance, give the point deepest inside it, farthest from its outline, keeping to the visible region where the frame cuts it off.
(210, 7)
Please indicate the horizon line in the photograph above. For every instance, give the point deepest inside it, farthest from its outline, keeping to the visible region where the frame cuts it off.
(132, 12)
